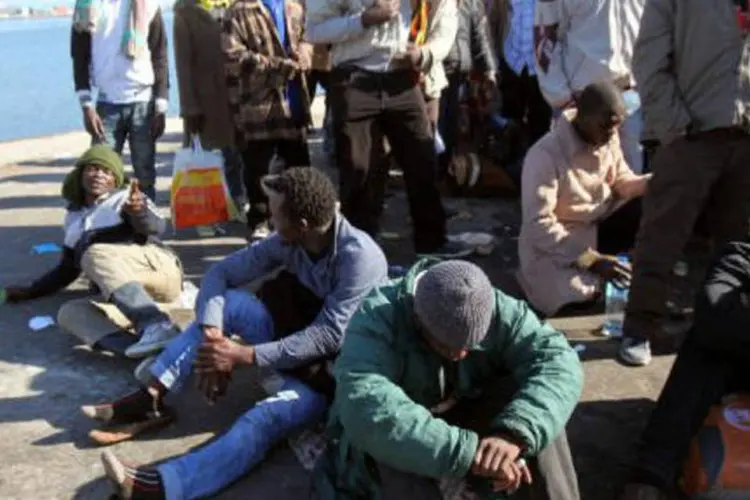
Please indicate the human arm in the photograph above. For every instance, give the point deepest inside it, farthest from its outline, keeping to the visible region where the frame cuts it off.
(141, 213)
(80, 52)
(654, 72)
(378, 417)
(62, 275)
(358, 273)
(483, 54)
(183, 56)
(157, 44)
(235, 270)
(326, 24)
(441, 35)
(548, 373)
(244, 62)
(625, 183)
(550, 27)
(539, 188)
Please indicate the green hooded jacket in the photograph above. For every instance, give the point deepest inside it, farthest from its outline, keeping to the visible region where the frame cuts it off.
(387, 378)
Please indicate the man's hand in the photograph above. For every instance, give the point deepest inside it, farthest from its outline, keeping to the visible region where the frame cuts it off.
(194, 124)
(93, 123)
(14, 294)
(217, 355)
(511, 485)
(136, 202)
(158, 124)
(634, 187)
(380, 12)
(411, 58)
(612, 270)
(497, 459)
(303, 56)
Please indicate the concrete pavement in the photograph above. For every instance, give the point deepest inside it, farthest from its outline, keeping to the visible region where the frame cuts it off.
(45, 376)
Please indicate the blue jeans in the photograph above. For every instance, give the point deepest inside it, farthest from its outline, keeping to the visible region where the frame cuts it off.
(132, 122)
(222, 461)
(630, 141)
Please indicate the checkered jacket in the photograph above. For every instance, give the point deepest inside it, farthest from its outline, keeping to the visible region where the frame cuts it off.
(258, 70)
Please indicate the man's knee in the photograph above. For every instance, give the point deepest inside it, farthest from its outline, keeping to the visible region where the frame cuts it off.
(96, 255)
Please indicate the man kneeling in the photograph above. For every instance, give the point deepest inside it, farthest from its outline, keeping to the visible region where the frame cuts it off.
(111, 237)
(442, 376)
(295, 326)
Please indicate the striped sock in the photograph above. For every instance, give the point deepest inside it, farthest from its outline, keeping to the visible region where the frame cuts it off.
(145, 484)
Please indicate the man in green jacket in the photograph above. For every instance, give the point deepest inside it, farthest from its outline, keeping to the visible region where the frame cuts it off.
(442, 377)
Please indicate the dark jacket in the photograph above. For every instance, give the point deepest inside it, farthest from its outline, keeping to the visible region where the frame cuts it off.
(80, 51)
(473, 48)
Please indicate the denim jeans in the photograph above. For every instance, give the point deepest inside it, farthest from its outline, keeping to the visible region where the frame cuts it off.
(132, 122)
(222, 461)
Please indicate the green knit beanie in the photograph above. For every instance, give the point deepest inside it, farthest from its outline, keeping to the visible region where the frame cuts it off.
(100, 155)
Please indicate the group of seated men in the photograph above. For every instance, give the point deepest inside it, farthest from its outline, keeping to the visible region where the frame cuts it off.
(429, 376)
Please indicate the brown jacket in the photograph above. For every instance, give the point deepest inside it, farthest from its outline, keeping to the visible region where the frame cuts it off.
(200, 72)
(258, 71)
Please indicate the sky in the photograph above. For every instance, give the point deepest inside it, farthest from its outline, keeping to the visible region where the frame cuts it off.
(37, 4)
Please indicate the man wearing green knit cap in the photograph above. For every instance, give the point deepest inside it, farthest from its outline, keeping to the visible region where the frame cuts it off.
(111, 236)
(443, 380)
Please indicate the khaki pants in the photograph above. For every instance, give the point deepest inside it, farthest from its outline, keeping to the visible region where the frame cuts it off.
(705, 176)
(110, 267)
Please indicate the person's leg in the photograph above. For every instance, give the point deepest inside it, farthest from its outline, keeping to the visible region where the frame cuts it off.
(87, 321)
(409, 132)
(117, 271)
(697, 380)
(294, 152)
(728, 212)
(115, 126)
(256, 157)
(684, 175)
(513, 92)
(355, 102)
(233, 172)
(630, 141)
(224, 460)
(143, 146)
(448, 121)
(164, 280)
(539, 115)
(616, 233)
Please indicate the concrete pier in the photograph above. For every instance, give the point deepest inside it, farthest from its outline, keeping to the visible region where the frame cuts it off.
(45, 376)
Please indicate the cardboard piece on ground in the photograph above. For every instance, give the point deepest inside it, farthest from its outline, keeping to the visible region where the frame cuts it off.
(43, 248)
(41, 322)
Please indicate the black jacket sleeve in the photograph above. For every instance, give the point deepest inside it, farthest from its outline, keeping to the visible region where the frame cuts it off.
(57, 278)
(482, 48)
(722, 307)
(157, 45)
(80, 51)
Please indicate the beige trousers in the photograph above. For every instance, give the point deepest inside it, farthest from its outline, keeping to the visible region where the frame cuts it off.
(110, 266)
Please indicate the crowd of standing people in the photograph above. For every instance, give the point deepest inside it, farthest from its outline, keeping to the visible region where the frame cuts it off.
(636, 115)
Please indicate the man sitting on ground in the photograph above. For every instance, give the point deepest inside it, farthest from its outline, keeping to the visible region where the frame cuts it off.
(295, 327)
(443, 376)
(581, 205)
(712, 363)
(111, 237)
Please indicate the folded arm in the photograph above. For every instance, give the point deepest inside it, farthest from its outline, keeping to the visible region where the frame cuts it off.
(548, 372)
(235, 270)
(653, 69)
(380, 418)
(324, 336)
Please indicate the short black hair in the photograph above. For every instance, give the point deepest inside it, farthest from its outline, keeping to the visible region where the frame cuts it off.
(600, 98)
(308, 194)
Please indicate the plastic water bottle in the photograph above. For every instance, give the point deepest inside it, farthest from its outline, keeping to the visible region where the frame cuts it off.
(615, 300)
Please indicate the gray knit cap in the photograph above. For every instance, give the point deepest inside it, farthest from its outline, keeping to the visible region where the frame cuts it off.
(455, 301)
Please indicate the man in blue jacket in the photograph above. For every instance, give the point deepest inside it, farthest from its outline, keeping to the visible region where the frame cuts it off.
(295, 328)
(444, 377)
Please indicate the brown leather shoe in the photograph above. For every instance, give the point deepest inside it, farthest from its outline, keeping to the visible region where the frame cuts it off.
(642, 492)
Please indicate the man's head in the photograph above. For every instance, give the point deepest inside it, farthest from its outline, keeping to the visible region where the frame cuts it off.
(601, 110)
(98, 171)
(454, 303)
(302, 200)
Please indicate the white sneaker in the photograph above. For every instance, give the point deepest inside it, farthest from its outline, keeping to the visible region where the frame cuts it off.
(153, 339)
(261, 231)
(635, 352)
(482, 243)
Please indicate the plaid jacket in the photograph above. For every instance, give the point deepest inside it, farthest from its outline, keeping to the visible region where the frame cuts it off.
(258, 70)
